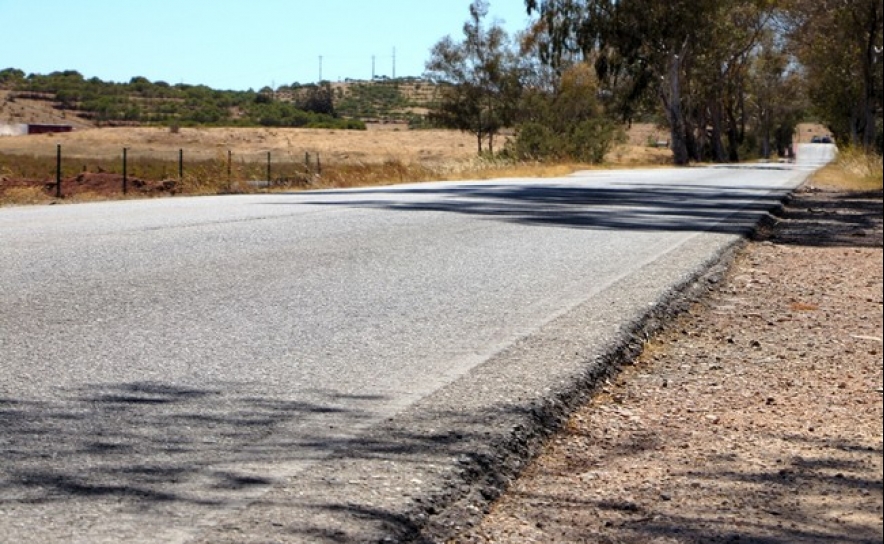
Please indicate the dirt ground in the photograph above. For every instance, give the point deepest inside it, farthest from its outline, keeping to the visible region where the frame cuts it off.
(756, 417)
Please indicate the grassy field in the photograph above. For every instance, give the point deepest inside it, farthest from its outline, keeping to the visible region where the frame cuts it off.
(160, 161)
(163, 162)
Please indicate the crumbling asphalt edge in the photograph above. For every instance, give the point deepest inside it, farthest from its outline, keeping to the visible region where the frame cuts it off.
(488, 474)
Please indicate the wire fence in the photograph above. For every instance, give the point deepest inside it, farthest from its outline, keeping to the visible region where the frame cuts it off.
(173, 172)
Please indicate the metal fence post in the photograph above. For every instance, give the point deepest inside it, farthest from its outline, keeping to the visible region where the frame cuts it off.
(58, 171)
(125, 178)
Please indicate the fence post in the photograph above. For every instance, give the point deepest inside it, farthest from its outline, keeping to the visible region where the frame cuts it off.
(229, 158)
(125, 178)
(268, 169)
(180, 165)
(57, 170)
(318, 165)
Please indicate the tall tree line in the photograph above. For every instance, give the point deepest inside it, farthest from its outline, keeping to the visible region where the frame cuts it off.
(717, 70)
(839, 45)
(730, 79)
(730, 74)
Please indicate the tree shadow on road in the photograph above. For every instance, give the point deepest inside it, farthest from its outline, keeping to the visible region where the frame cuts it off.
(158, 448)
(642, 207)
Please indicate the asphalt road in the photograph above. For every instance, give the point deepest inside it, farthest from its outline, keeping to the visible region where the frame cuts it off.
(326, 366)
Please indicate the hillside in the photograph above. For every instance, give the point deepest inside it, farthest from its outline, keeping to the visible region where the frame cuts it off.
(68, 98)
(15, 109)
(393, 100)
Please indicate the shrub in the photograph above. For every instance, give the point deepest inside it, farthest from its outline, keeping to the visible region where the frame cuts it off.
(590, 140)
(533, 142)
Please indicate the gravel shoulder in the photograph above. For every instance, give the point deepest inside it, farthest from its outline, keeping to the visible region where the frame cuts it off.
(755, 416)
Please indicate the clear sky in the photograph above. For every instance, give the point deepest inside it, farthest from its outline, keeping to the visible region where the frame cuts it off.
(234, 44)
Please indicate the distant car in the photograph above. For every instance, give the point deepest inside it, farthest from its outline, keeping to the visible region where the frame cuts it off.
(821, 140)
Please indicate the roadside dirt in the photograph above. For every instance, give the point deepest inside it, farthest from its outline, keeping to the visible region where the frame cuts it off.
(756, 417)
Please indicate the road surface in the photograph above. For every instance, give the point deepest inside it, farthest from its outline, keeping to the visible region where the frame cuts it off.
(327, 366)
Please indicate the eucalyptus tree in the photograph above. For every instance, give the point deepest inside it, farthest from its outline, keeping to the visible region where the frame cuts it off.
(693, 57)
(839, 45)
(650, 45)
(479, 78)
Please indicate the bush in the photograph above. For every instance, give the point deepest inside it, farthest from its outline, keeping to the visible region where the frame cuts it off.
(533, 142)
(587, 141)
(591, 140)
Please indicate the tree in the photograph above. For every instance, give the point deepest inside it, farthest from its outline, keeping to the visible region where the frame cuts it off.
(317, 98)
(839, 44)
(11, 77)
(775, 96)
(479, 77)
(693, 57)
(650, 43)
(564, 122)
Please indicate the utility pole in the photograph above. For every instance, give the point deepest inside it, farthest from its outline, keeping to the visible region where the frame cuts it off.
(394, 63)
(372, 67)
(320, 69)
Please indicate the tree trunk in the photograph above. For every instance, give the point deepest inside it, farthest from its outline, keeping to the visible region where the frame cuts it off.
(671, 98)
(718, 153)
(733, 137)
(869, 80)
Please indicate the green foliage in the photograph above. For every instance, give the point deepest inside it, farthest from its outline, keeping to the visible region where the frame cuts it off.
(590, 140)
(11, 77)
(534, 142)
(567, 122)
(716, 70)
(141, 101)
(317, 99)
(585, 141)
(839, 45)
(375, 100)
(481, 79)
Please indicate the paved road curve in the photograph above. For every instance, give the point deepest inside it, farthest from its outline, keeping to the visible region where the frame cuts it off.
(323, 366)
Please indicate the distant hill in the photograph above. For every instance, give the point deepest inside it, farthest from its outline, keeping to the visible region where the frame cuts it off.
(394, 100)
(17, 110)
(68, 98)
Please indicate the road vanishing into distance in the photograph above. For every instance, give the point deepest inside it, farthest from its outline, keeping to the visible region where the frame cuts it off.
(327, 366)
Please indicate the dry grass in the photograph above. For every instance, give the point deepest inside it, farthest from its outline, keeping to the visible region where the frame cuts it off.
(23, 195)
(853, 170)
(251, 144)
(225, 160)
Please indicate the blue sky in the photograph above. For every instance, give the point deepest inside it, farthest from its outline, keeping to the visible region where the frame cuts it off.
(234, 44)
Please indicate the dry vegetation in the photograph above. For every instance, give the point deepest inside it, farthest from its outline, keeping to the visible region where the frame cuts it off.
(853, 171)
(300, 158)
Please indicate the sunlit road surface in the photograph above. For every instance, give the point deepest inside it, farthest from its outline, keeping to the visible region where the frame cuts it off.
(322, 366)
